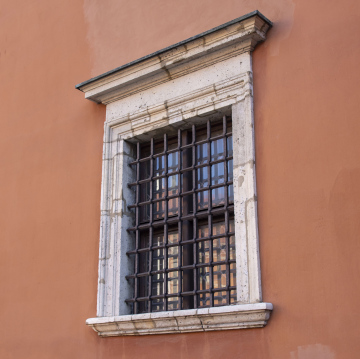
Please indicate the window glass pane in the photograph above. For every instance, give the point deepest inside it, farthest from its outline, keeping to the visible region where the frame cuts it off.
(202, 200)
(173, 189)
(173, 303)
(218, 228)
(173, 237)
(204, 278)
(173, 282)
(158, 239)
(203, 252)
(159, 188)
(219, 276)
(157, 305)
(173, 257)
(173, 185)
(233, 298)
(218, 196)
(158, 210)
(202, 178)
(173, 207)
(157, 284)
(203, 231)
(217, 150)
(204, 300)
(219, 249)
(219, 244)
(159, 166)
(202, 154)
(220, 298)
(158, 259)
(218, 173)
(173, 162)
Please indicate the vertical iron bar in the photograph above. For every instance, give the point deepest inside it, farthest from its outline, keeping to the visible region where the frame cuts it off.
(180, 221)
(194, 211)
(151, 229)
(165, 266)
(210, 217)
(187, 258)
(226, 203)
(137, 233)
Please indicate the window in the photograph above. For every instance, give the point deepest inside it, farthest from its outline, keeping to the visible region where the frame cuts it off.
(184, 233)
(179, 246)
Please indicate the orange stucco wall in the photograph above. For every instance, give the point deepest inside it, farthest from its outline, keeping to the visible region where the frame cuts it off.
(308, 170)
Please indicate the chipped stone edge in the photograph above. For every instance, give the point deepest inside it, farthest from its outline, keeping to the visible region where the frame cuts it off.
(242, 316)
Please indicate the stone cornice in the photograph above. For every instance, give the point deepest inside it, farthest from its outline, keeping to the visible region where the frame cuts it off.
(216, 45)
(184, 321)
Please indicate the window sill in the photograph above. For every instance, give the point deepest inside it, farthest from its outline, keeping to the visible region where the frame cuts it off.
(184, 321)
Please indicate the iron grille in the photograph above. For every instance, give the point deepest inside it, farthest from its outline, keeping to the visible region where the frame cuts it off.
(184, 238)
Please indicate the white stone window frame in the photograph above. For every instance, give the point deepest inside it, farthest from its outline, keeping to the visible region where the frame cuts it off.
(204, 77)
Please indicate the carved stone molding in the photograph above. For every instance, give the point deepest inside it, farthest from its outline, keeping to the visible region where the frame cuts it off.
(176, 111)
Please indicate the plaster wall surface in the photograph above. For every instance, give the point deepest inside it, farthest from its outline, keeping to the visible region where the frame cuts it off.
(306, 108)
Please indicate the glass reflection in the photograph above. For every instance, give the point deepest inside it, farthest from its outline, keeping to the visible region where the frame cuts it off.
(201, 154)
(159, 166)
(217, 150)
(219, 276)
(173, 189)
(173, 162)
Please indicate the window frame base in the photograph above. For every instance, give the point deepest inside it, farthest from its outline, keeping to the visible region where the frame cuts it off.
(241, 316)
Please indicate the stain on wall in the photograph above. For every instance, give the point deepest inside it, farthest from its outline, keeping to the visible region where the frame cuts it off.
(313, 351)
